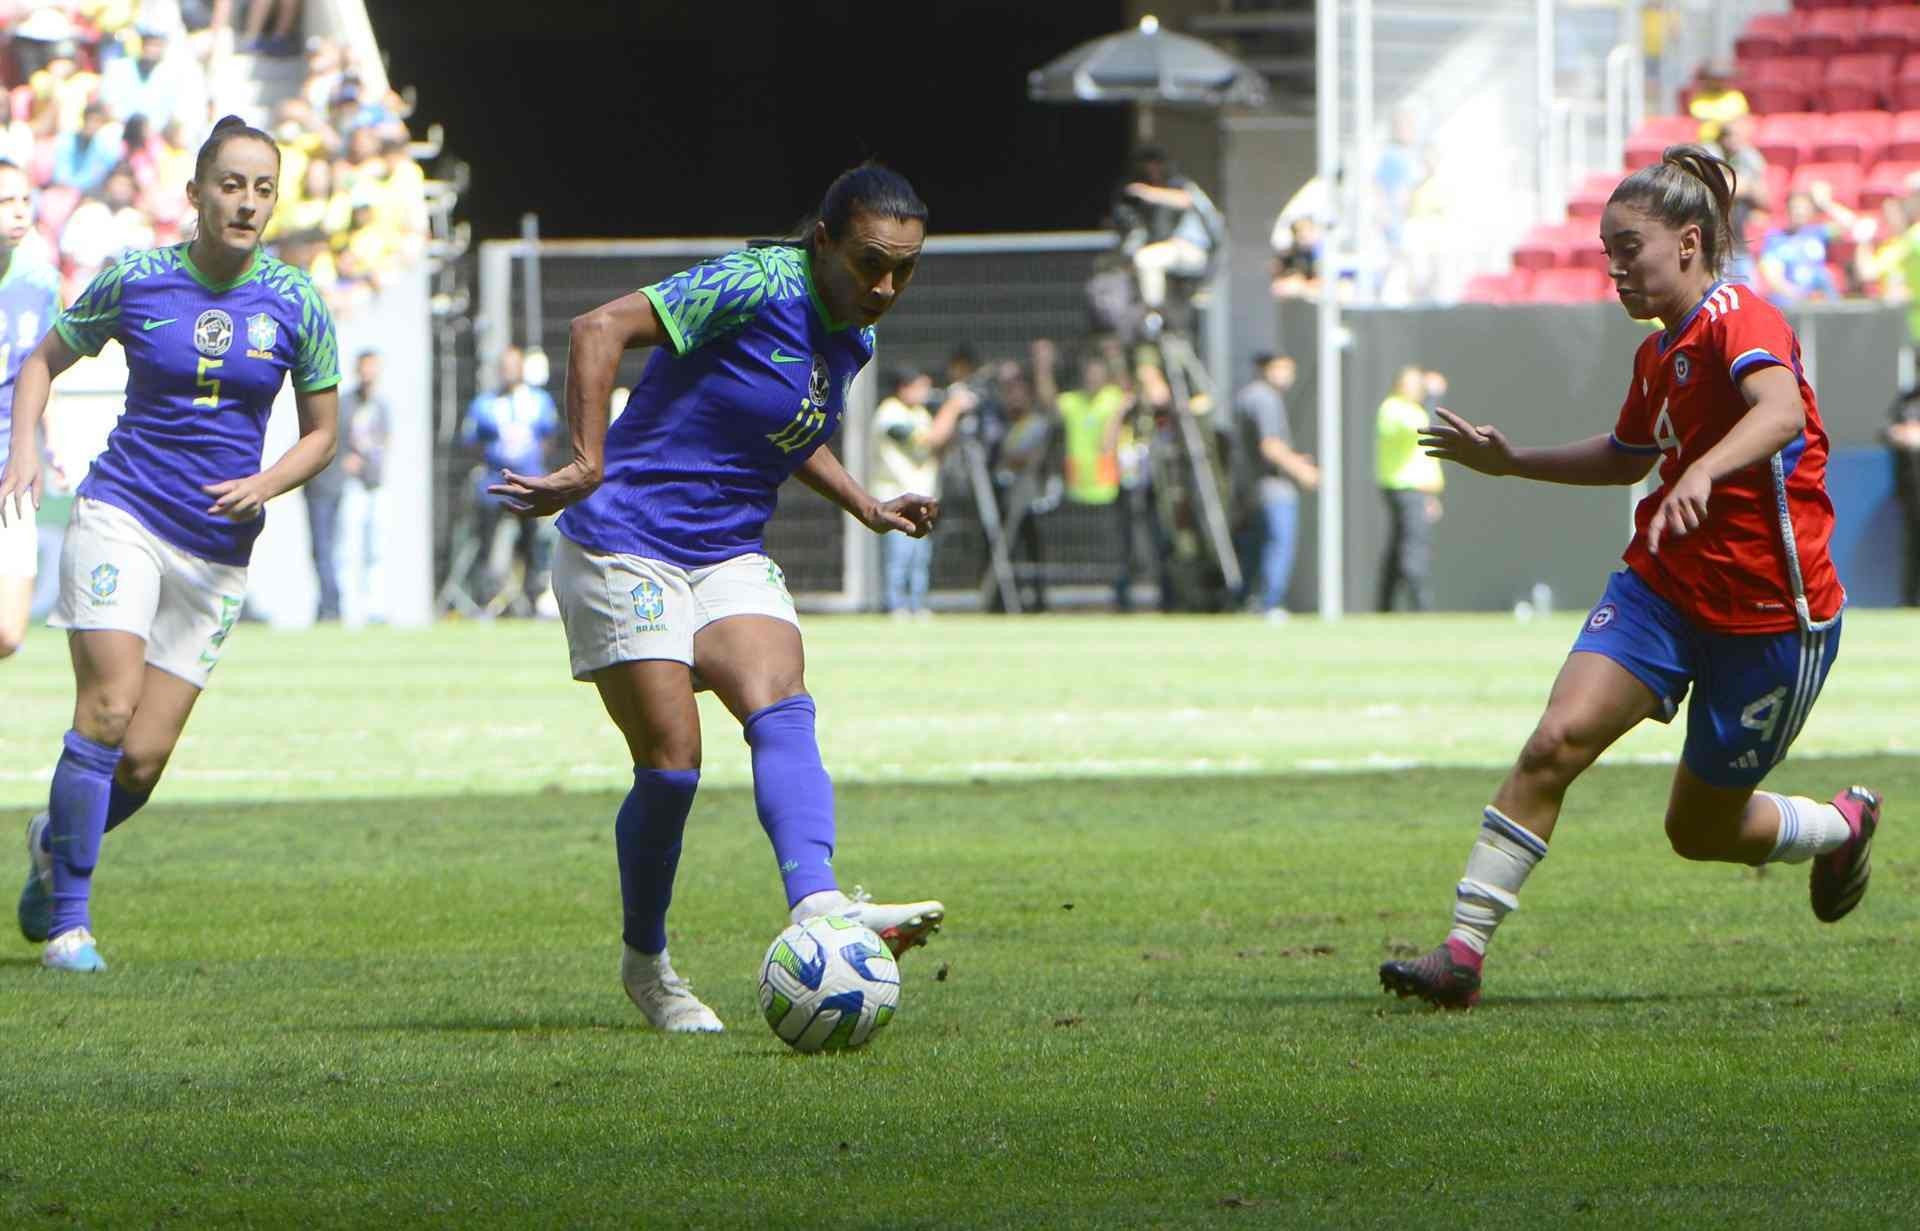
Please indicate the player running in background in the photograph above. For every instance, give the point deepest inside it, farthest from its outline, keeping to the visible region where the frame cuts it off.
(29, 299)
(660, 575)
(1728, 584)
(154, 566)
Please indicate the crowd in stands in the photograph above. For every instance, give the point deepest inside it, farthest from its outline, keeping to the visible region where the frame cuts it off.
(1820, 116)
(109, 101)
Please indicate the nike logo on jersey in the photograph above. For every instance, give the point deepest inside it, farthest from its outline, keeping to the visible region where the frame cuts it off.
(780, 356)
(156, 324)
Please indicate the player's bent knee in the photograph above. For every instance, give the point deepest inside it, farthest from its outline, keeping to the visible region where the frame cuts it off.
(1556, 749)
(140, 772)
(103, 719)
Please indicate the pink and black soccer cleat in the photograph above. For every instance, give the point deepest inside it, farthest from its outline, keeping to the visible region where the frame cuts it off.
(1447, 978)
(1839, 878)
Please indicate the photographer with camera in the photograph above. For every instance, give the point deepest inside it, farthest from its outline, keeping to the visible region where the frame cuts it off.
(909, 441)
(1169, 226)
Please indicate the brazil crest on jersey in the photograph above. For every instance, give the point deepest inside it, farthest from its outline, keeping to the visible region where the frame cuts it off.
(205, 361)
(753, 379)
(1763, 545)
(29, 300)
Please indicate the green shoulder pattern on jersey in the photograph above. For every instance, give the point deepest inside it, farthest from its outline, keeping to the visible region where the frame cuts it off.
(95, 316)
(717, 298)
(316, 350)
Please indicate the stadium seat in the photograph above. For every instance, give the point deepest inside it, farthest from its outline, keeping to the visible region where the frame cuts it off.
(1570, 286)
(1781, 83)
(1888, 179)
(1906, 85)
(1894, 28)
(1843, 177)
(1647, 142)
(1767, 34)
(1858, 82)
(1786, 138)
(1547, 246)
(1589, 200)
(1829, 31)
(1903, 142)
(1853, 136)
(1498, 288)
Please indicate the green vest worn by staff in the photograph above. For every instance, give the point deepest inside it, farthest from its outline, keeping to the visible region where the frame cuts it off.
(1399, 462)
(1093, 464)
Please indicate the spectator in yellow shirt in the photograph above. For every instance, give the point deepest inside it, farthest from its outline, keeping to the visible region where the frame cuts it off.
(1717, 101)
(1411, 481)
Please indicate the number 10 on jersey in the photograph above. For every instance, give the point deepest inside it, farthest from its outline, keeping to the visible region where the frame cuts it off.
(211, 398)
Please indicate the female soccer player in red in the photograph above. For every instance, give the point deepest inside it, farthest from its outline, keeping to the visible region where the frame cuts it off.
(1728, 584)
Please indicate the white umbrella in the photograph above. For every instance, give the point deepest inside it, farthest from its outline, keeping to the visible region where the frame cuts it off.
(1150, 65)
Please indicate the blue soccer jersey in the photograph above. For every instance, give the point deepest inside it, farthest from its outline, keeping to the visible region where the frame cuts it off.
(205, 361)
(29, 300)
(753, 381)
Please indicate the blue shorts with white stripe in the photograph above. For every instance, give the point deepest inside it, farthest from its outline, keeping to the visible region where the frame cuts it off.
(1752, 693)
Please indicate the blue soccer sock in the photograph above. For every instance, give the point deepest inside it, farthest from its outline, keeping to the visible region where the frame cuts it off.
(646, 837)
(793, 794)
(77, 817)
(122, 803)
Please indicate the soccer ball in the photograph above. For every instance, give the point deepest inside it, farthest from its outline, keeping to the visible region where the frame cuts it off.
(828, 984)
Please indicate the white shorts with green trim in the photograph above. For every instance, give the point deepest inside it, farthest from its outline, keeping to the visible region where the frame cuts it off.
(619, 608)
(118, 576)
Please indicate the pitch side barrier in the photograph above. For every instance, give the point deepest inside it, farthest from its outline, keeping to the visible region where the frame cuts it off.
(1547, 374)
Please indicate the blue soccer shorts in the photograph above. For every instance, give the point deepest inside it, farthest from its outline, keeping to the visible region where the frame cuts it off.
(1752, 692)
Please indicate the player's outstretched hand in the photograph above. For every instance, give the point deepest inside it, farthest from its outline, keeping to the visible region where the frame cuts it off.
(239, 499)
(912, 515)
(20, 487)
(1453, 439)
(538, 495)
(1682, 511)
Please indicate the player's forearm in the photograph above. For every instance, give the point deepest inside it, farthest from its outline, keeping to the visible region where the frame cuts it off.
(308, 457)
(593, 359)
(1767, 427)
(824, 474)
(1594, 462)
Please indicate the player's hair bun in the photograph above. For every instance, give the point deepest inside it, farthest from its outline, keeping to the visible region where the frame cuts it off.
(229, 121)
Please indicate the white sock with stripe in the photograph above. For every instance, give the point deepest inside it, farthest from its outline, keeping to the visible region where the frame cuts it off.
(1807, 828)
(1497, 866)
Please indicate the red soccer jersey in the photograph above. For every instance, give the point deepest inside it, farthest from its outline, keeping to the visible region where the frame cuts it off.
(1764, 542)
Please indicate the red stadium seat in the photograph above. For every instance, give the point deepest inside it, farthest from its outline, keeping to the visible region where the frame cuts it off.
(1906, 86)
(1498, 288)
(1647, 142)
(1843, 177)
(1904, 141)
(1589, 200)
(1888, 179)
(1551, 246)
(1767, 34)
(1829, 32)
(1786, 138)
(1859, 82)
(1853, 136)
(1570, 286)
(1806, 72)
(1894, 28)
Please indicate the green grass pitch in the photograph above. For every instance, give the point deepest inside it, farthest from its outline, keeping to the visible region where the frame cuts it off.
(364, 951)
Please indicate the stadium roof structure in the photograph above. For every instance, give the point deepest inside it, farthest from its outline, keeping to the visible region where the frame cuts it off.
(1151, 65)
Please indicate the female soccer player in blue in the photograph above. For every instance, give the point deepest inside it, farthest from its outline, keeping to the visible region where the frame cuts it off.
(660, 575)
(154, 568)
(1728, 588)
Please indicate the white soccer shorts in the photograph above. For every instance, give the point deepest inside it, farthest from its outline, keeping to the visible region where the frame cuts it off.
(620, 608)
(19, 543)
(116, 575)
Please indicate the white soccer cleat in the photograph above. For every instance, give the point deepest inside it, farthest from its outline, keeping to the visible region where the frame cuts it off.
(663, 996)
(73, 951)
(902, 925)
